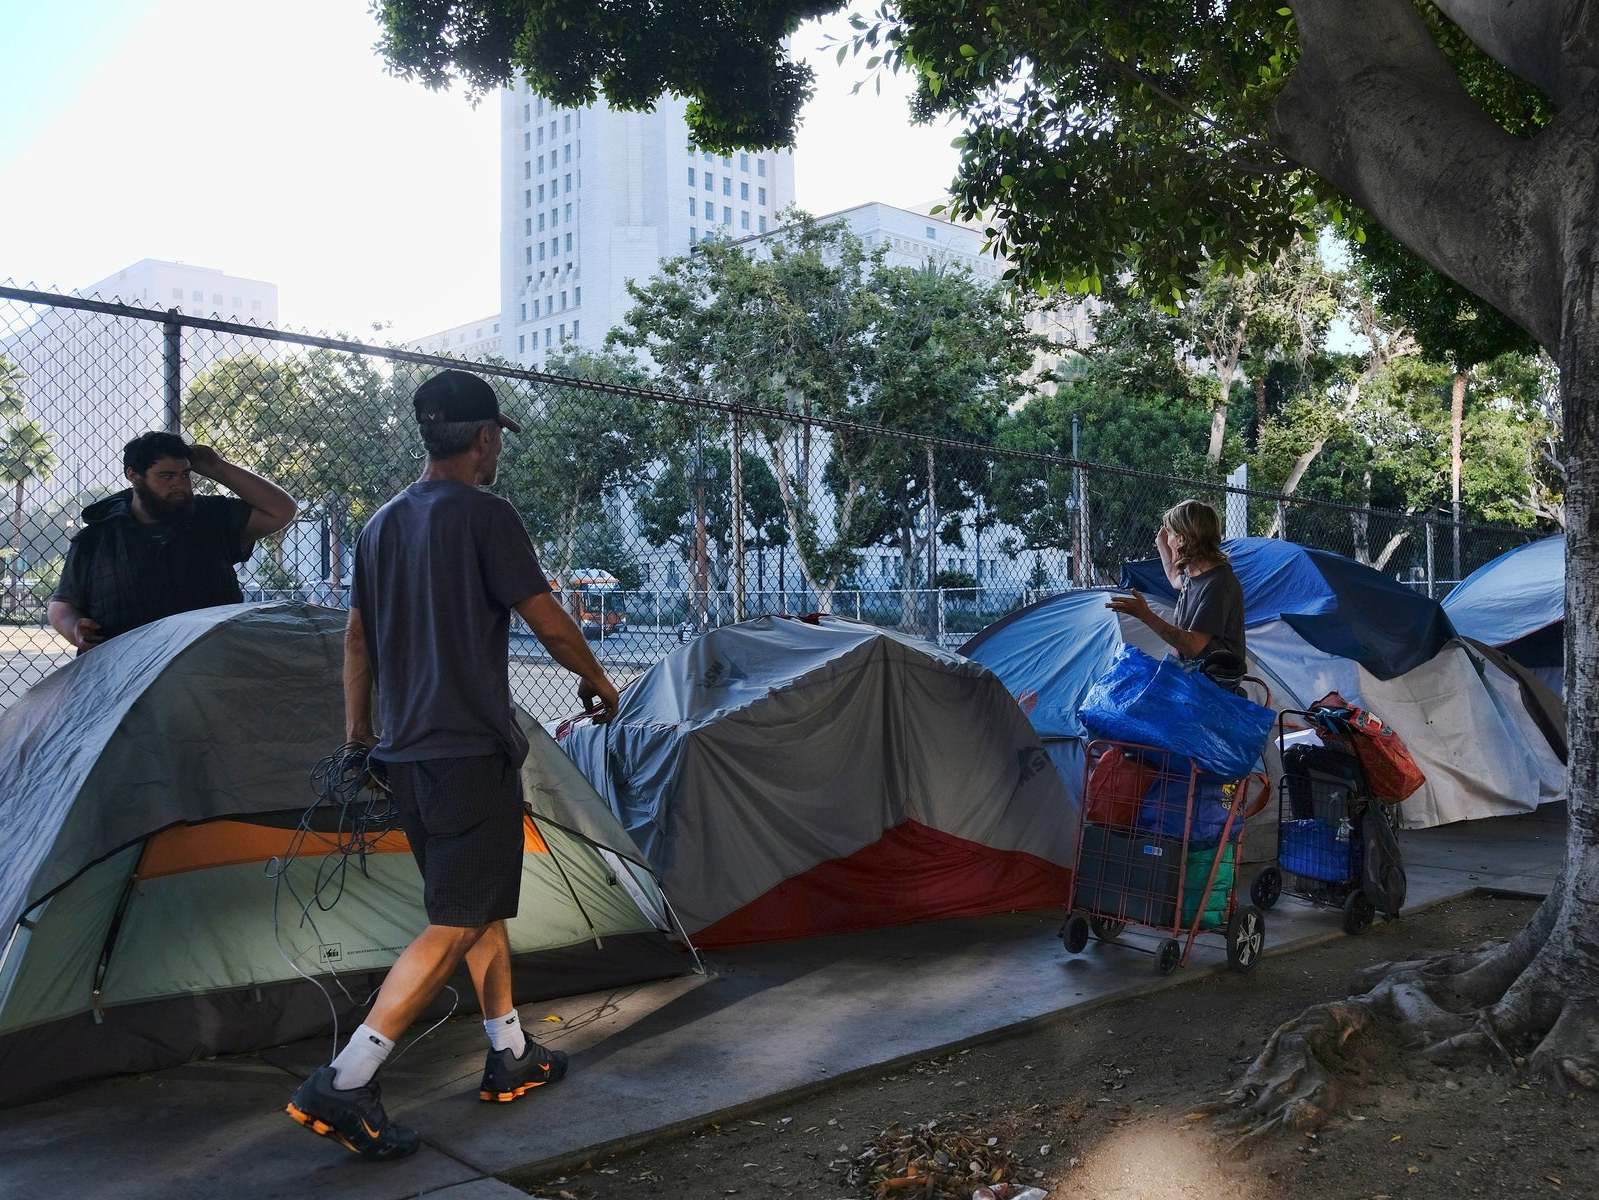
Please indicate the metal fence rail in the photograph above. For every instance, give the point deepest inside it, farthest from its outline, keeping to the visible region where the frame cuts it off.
(658, 514)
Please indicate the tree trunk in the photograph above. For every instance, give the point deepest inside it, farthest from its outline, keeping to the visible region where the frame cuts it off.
(1457, 415)
(907, 578)
(15, 593)
(1260, 407)
(1296, 477)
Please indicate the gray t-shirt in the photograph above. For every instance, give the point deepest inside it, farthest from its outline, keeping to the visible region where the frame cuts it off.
(438, 570)
(1213, 603)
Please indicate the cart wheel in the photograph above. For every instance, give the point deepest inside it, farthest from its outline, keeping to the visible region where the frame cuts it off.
(1074, 934)
(1105, 929)
(1268, 886)
(1358, 913)
(1246, 938)
(1167, 955)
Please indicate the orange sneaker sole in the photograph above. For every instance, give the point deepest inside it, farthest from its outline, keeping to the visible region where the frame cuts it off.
(319, 1127)
(506, 1097)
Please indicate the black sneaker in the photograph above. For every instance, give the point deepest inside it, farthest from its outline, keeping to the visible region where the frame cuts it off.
(505, 1076)
(353, 1117)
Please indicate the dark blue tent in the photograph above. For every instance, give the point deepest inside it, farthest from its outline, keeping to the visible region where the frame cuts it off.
(1518, 603)
(1338, 605)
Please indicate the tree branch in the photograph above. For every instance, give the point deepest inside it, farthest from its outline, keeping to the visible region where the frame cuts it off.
(1375, 109)
(1552, 44)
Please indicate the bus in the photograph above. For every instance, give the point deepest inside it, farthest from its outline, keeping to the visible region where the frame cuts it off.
(594, 598)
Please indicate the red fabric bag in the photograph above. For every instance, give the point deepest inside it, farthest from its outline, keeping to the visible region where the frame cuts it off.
(1116, 787)
(1391, 773)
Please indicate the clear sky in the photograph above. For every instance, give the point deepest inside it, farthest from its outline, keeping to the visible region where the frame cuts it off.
(266, 140)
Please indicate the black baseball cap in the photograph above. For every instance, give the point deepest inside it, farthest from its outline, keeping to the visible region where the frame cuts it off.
(459, 396)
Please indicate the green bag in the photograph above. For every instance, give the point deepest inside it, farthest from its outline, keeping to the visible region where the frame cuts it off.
(1195, 873)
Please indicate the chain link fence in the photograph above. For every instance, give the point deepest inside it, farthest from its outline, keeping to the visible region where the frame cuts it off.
(657, 515)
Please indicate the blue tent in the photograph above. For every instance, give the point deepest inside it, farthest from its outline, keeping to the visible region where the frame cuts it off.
(1518, 603)
(1338, 605)
(1315, 623)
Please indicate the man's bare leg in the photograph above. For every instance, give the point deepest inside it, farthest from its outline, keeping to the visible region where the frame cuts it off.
(420, 973)
(489, 962)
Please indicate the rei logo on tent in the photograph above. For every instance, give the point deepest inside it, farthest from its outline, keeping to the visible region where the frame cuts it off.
(332, 951)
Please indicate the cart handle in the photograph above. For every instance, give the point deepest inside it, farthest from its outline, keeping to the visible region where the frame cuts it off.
(1263, 794)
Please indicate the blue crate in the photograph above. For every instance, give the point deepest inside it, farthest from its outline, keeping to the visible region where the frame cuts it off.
(1311, 848)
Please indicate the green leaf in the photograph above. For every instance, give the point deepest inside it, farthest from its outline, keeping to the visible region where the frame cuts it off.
(968, 50)
(1285, 12)
(843, 53)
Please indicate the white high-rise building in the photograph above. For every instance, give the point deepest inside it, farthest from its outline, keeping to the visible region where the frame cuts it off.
(592, 198)
(95, 381)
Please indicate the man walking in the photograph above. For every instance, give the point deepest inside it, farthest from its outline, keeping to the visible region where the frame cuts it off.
(157, 548)
(438, 571)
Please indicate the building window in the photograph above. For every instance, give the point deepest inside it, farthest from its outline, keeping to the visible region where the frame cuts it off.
(563, 333)
(541, 106)
(761, 195)
(238, 305)
(691, 207)
(177, 293)
(530, 253)
(710, 183)
(709, 157)
(744, 219)
(566, 152)
(496, 327)
(569, 122)
(541, 253)
(763, 223)
(546, 337)
(726, 161)
(727, 215)
(569, 183)
(743, 162)
(541, 193)
(577, 297)
(527, 230)
(727, 185)
(541, 135)
(563, 301)
(743, 190)
(527, 170)
(692, 182)
(760, 167)
(932, 233)
(693, 235)
(569, 242)
(541, 222)
(527, 141)
(568, 214)
(521, 343)
(525, 113)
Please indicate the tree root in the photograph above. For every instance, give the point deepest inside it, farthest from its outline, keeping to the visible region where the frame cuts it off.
(1494, 999)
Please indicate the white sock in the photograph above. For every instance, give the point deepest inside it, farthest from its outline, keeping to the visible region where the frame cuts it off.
(505, 1033)
(360, 1059)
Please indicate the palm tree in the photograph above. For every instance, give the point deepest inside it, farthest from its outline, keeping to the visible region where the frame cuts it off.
(24, 454)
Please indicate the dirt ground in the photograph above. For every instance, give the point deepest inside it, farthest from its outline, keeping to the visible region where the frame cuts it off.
(1097, 1105)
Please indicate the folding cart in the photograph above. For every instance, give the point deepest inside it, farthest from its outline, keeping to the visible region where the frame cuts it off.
(1158, 847)
(1324, 805)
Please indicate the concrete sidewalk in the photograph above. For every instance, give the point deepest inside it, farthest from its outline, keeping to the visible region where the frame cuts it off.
(648, 1060)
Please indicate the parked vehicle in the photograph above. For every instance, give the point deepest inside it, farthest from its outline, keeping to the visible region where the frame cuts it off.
(594, 598)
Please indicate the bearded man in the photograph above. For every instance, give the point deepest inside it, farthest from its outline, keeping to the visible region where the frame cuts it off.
(156, 548)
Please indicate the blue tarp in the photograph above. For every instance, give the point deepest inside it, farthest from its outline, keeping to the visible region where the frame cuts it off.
(1334, 603)
(1519, 597)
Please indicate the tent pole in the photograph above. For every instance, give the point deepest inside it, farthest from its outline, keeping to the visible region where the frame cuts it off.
(599, 943)
(699, 963)
(115, 928)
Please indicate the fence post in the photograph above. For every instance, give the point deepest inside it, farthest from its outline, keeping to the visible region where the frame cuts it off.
(172, 374)
(736, 460)
(1431, 574)
(932, 535)
(1282, 520)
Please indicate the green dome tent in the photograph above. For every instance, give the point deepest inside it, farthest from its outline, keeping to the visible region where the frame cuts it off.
(145, 791)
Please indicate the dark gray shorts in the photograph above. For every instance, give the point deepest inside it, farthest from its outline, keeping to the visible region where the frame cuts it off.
(463, 818)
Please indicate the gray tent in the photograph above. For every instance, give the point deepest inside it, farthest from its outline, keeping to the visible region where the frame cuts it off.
(146, 788)
(788, 778)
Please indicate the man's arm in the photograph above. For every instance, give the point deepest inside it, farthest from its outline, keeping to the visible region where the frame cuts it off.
(74, 626)
(1190, 643)
(357, 683)
(554, 627)
(272, 508)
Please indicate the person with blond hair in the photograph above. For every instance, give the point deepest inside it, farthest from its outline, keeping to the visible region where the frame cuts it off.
(1207, 625)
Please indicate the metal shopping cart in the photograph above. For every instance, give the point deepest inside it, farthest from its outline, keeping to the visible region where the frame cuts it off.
(1158, 847)
(1329, 826)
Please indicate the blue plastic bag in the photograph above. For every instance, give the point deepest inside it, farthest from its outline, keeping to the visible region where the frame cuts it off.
(1164, 809)
(1178, 709)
